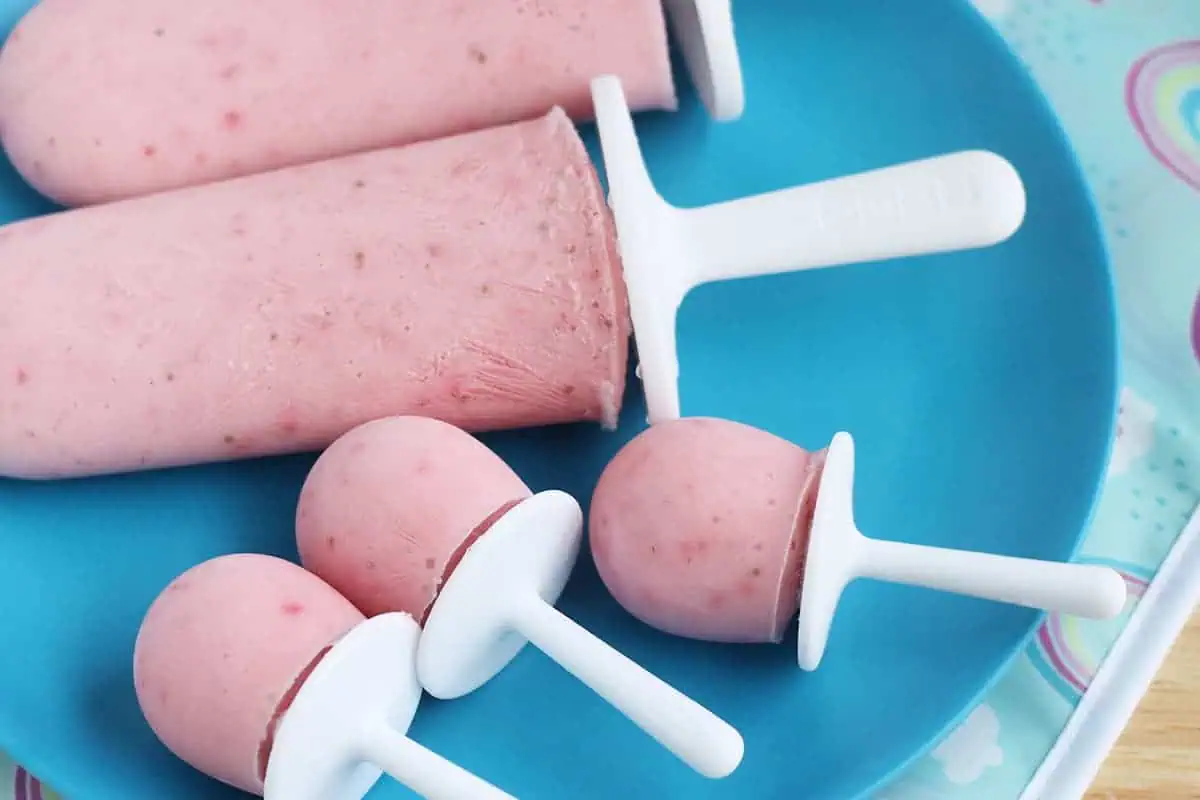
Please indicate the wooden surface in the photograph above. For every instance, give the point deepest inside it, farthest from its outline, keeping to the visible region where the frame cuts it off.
(1158, 756)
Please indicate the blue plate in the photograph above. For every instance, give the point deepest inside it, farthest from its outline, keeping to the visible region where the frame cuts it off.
(980, 387)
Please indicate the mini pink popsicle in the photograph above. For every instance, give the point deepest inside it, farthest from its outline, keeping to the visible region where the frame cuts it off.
(414, 515)
(259, 674)
(99, 106)
(473, 278)
(715, 530)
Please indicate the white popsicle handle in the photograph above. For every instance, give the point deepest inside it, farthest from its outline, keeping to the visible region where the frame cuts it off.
(422, 770)
(960, 201)
(1079, 589)
(704, 31)
(838, 553)
(698, 737)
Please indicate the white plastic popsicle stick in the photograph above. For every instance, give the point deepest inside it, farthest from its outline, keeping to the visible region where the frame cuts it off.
(959, 201)
(346, 726)
(704, 31)
(838, 554)
(502, 595)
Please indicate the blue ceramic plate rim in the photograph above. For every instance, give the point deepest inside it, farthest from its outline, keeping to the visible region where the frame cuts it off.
(29, 756)
(1098, 233)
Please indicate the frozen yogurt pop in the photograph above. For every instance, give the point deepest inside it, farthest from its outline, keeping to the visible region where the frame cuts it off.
(98, 106)
(715, 530)
(413, 515)
(260, 675)
(473, 278)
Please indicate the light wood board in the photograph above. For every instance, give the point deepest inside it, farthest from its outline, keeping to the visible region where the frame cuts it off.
(1158, 756)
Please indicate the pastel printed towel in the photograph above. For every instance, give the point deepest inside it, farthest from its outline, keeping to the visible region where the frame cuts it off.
(1124, 76)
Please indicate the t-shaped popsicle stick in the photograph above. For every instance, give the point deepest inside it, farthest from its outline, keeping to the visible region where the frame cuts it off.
(704, 31)
(502, 594)
(838, 554)
(953, 202)
(347, 725)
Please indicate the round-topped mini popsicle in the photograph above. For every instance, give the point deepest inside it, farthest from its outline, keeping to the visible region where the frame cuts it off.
(261, 675)
(716, 530)
(412, 514)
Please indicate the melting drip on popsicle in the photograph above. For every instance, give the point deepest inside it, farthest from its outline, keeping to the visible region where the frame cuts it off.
(412, 514)
(262, 676)
(715, 530)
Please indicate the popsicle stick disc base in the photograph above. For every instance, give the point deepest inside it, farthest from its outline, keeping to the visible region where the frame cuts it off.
(367, 676)
(834, 551)
(469, 636)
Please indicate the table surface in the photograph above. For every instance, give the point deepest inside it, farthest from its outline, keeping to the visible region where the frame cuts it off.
(1158, 756)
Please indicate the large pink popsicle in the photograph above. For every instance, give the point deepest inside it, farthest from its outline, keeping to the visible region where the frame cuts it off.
(474, 279)
(383, 515)
(699, 527)
(222, 652)
(100, 102)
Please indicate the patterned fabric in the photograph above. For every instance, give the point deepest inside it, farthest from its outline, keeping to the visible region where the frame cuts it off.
(1124, 76)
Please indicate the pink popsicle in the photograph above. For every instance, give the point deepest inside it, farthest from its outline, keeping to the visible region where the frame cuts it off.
(412, 515)
(699, 527)
(383, 515)
(474, 279)
(222, 652)
(715, 530)
(101, 102)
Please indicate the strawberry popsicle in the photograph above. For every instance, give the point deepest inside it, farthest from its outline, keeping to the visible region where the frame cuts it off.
(101, 103)
(474, 279)
(383, 515)
(260, 675)
(705, 546)
(715, 530)
(412, 515)
(220, 656)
